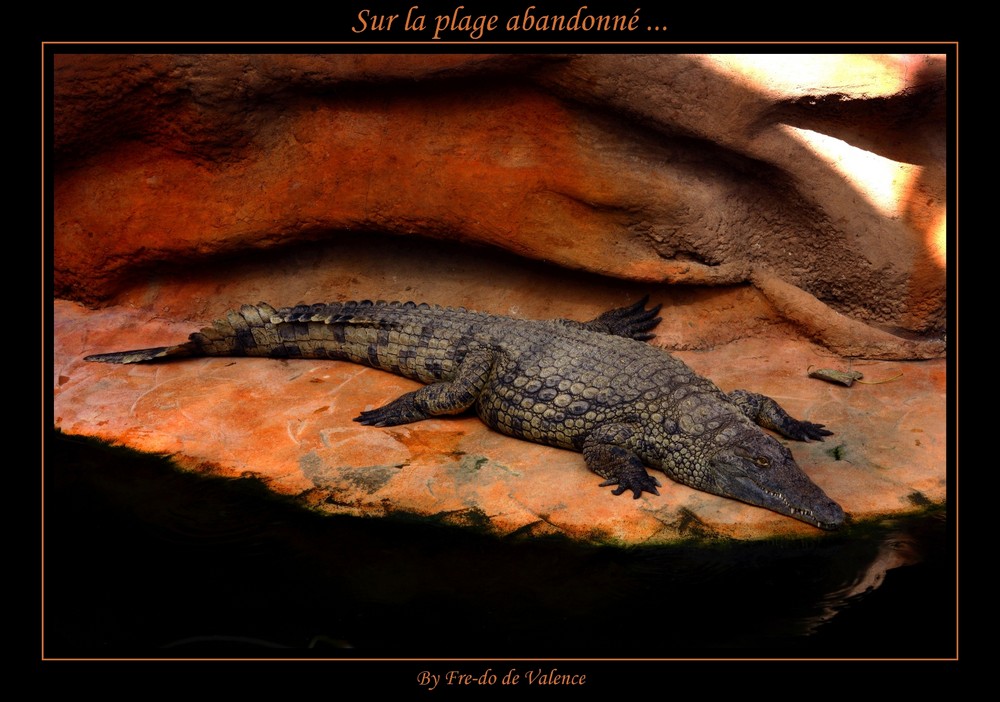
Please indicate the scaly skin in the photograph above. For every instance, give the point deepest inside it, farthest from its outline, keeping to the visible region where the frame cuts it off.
(590, 386)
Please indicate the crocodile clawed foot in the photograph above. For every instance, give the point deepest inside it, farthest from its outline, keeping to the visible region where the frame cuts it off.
(638, 321)
(804, 431)
(634, 481)
(402, 410)
(633, 322)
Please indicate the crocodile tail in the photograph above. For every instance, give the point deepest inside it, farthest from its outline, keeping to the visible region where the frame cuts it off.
(238, 334)
(144, 355)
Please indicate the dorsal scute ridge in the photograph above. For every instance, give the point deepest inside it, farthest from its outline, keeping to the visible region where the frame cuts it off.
(334, 312)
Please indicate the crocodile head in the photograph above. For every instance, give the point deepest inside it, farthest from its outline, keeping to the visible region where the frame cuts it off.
(758, 470)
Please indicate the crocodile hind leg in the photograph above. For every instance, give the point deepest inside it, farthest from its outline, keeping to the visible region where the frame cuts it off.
(448, 397)
(632, 322)
(769, 414)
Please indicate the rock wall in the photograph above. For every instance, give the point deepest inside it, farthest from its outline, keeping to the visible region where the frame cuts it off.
(660, 169)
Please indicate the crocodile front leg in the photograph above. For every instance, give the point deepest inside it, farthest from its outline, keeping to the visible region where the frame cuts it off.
(618, 465)
(767, 413)
(449, 397)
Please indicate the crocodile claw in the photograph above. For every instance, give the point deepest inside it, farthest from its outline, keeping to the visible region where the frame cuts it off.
(804, 431)
(402, 410)
(632, 322)
(637, 482)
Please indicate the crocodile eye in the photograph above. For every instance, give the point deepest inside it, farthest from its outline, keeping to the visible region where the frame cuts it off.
(762, 461)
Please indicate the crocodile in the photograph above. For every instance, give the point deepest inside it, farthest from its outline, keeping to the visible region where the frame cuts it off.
(595, 387)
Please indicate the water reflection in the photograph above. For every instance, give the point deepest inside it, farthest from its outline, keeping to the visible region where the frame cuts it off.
(896, 549)
(142, 560)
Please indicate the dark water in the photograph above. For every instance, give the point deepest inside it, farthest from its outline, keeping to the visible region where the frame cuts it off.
(144, 561)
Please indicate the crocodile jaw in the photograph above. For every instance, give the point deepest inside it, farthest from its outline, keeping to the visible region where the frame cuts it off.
(816, 508)
(761, 472)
